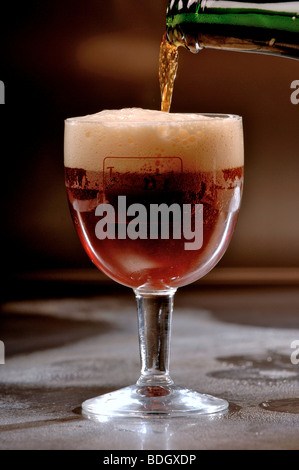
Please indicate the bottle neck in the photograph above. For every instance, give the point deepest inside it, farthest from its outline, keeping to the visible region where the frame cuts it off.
(271, 28)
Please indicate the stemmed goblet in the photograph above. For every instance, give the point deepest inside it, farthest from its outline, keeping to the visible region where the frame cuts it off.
(154, 198)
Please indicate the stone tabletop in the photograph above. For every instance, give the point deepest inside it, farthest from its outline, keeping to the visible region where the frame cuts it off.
(236, 343)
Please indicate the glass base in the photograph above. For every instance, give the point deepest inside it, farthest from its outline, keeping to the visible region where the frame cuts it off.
(146, 401)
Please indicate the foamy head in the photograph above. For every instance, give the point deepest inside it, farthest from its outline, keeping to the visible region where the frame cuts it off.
(202, 142)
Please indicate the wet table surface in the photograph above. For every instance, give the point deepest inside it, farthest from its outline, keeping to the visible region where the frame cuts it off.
(236, 343)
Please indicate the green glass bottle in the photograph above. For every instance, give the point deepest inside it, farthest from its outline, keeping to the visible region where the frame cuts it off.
(261, 27)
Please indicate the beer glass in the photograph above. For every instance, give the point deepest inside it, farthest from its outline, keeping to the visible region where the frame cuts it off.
(154, 198)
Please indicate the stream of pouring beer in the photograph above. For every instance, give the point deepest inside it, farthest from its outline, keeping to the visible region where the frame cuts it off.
(168, 65)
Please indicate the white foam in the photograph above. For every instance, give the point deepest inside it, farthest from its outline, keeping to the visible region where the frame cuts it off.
(202, 142)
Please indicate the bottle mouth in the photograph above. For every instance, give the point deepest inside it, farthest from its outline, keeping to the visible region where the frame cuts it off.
(190, 41)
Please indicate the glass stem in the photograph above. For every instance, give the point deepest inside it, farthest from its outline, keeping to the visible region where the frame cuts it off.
(154, 324)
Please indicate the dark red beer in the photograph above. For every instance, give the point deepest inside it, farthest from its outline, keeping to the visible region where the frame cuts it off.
(154, 159)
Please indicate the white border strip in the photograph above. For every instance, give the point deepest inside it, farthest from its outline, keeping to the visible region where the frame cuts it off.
(289, 7)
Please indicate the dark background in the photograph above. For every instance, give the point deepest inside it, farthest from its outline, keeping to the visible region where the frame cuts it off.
(67, 58)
